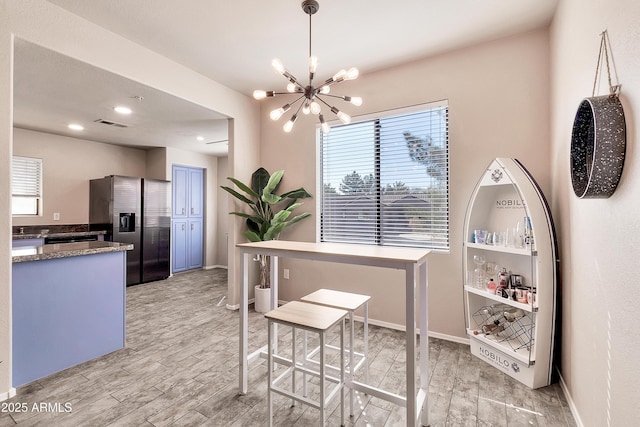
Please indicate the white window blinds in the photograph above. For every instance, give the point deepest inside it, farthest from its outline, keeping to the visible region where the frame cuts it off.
(26, 185)
(386, 180)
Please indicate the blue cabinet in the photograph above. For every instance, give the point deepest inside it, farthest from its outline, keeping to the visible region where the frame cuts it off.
(187, 221)
(66, 311)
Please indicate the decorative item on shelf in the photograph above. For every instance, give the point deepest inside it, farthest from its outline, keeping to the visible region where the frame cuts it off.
(528, 234)
(481, 236)
(491, 286)
(310, 95)
(265, 221)
(598, 140)
(478, 273)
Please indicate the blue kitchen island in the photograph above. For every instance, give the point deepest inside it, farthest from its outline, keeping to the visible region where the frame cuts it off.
(68, 305)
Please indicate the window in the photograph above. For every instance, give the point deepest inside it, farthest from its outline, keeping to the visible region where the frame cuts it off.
(386, 179)
(26, 186)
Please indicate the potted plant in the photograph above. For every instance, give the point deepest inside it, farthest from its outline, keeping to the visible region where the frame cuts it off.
(269, 215)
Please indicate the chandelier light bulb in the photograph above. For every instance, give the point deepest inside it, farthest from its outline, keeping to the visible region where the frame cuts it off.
(325, 126)
(289, 125)
(277, 113)
(291, 87)
(355, 100)
(339, 76)
(313, 64)
(344, 117)
(277, 65)
(352, 74)
(315, 107)
(306, 109)
(259, 94)
(325, 89)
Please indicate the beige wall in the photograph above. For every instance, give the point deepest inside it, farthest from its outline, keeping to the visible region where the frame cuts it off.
(222, 224)
(47, 25)
(599, 238)
(498, 97)
(68, 164)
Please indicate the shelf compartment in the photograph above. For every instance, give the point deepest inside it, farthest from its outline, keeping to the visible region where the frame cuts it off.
(503, 249)
(522, 355)
(485, 294)
(506, 325)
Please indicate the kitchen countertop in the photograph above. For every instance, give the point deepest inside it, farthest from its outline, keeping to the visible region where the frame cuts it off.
(64, 250)
(41, 235)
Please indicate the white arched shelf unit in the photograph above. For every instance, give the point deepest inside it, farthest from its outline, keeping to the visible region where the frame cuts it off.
(513, 330)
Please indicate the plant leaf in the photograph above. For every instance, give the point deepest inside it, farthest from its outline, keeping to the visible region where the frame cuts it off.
(274, 182)
(259, 180)
(237, 195)
(273, 231)
(251, 236)
(300, 193)
(298, 218)
(244, 187)
(280, 217)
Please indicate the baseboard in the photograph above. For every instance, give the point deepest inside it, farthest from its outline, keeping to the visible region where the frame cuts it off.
(211, 267)
(567, 395)
(7, 395)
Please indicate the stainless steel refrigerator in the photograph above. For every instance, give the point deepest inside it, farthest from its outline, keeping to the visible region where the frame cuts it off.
(137, 211)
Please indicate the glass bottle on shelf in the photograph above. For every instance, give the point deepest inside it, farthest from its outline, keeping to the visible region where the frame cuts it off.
(478, 273)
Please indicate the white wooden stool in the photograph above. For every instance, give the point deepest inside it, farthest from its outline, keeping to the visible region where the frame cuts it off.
(309, 318)
(350, 302)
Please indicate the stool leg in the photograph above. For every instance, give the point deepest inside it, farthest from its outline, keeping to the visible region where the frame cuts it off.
(342, 369)
(366, 342)
(322, 373)
(351, 358)
(293, 364)
(304, 362)
(269, 370)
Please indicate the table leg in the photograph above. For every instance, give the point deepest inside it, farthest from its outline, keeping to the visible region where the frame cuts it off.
(410, 322)
(274, 293)
(274, 282)
(244, 322)
(424, 341)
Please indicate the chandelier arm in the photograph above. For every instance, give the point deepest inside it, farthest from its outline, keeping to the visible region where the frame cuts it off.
(323, 101)
(335, 96)
(292, 79)
(298, 99)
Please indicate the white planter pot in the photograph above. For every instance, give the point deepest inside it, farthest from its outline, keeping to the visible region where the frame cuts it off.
(262, 300)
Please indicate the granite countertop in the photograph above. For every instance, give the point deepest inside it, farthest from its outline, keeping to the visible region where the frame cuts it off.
(64, 250)
(41, 235)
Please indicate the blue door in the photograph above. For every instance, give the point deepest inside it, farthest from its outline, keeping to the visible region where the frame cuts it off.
(187, 221)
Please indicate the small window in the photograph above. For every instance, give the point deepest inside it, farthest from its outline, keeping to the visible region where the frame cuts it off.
(26, 186)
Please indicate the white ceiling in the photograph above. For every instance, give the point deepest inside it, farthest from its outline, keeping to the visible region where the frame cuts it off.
(233, 42)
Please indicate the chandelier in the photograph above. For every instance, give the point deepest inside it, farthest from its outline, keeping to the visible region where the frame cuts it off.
(310, 96)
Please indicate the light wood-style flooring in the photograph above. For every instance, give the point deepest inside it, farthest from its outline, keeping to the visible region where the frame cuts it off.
(180, 368)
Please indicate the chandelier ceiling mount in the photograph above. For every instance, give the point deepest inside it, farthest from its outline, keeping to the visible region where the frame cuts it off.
(310, 96)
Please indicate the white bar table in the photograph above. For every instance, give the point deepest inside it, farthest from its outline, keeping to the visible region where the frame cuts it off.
(413, 261)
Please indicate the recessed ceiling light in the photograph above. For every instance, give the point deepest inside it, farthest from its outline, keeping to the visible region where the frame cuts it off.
(121, 109)
(75, 126)
(200, 138)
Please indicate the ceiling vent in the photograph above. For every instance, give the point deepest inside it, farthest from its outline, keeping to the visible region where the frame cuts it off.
(110, 123)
